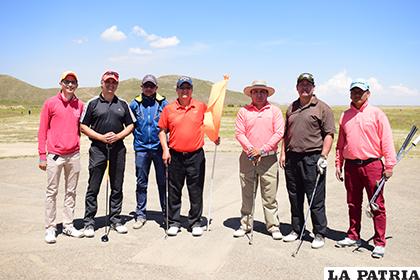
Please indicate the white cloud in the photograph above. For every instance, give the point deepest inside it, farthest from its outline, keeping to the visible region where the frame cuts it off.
(156, 41)
(165, 42)
(403, 91)
(139, 51)
(80, 41)
(113, 34)
(337, 84)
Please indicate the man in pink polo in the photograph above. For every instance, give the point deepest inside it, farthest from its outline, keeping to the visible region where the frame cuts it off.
(259, 129)
(58, 147)
(364, 138)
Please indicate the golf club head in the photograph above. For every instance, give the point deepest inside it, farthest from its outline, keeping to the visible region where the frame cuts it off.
(369, 212)
(374, 206)
(105, 238)
(294, 255)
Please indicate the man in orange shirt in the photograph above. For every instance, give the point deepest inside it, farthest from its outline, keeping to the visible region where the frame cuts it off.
(184, 155)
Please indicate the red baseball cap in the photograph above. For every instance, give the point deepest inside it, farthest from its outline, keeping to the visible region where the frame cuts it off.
(110, 75)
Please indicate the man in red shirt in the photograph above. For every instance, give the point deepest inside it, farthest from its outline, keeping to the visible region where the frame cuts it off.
(59, 135)
(183, 154)
(365, 137)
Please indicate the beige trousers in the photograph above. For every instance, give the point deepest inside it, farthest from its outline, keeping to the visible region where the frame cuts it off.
(266, 175)
(71, 166)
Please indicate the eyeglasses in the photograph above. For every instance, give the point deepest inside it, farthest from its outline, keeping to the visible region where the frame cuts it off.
(68, 82)
(185, 88)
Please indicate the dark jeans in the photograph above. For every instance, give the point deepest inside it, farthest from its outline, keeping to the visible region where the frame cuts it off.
(97, 166)
(189, 166)
(144, 160)
(301, 172)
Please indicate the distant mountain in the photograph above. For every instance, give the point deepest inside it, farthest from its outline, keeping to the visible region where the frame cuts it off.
(17, 92)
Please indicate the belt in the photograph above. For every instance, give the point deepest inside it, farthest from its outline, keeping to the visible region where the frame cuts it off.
(361, 161)
(186, 154)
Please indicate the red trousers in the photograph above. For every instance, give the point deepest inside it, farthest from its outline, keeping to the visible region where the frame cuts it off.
(358, 177)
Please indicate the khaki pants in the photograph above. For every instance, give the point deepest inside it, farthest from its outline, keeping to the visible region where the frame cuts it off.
(55, 164)
(268, 176)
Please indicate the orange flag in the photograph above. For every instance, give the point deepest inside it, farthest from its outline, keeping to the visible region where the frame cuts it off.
(214, 111)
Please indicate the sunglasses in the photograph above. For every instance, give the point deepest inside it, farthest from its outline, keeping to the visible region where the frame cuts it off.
(68, 82)
(185, 88)
(111, 73)
(148, 86)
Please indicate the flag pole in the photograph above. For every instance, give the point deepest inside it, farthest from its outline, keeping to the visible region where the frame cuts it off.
(211, 188)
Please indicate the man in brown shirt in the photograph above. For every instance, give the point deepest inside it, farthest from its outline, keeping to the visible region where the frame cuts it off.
(308, 137)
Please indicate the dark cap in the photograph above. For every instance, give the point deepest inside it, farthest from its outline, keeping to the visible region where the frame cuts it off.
(184, 79)
(149, 78)
(306, 76)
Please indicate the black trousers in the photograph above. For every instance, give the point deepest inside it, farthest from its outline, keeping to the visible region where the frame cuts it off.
(97, 166)
(301, 173)
(189, 167)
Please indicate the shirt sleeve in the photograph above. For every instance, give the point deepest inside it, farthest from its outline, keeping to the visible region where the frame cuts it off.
(133, 108)
(86, 117)
(328, 125)
(129, 117)
(163, 120)
(339, 158)
(240, 125)
(387, 142)
(278, 126)
(44, 124)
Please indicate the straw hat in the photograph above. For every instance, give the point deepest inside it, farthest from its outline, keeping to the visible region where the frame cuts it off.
(259, 85)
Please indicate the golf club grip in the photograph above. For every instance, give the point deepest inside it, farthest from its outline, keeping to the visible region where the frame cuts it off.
(417, 140)
(407, 140)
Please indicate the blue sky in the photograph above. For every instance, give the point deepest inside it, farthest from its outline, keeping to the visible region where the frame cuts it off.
(275, 41)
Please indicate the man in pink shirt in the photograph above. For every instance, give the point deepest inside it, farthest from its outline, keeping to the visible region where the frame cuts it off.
(259, 129)
(365, 137)
(58, 147)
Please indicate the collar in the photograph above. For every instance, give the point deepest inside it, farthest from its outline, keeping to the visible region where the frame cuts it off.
(157, 96)
(63, 98)
(361, 108)
(252, 107)
(192, 104)
(114, 99)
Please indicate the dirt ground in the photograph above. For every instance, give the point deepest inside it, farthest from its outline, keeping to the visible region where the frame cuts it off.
(145, 254)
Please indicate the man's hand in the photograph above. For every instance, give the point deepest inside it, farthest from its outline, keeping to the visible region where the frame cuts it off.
(282, 160)
(42, 165)
(217, 141)
(338, 174)
(387, 175)
(111, 137)
(322, 164)
(166, 156)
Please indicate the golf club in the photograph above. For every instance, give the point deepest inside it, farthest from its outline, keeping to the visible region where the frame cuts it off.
(307, 215)
(166, 198)
(254, 192)
(373, 206)
(105, 238)
(211, 189)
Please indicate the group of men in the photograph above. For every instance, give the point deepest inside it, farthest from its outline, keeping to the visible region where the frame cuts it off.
(172, 137)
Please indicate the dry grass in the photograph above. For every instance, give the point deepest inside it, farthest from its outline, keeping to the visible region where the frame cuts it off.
(16, 125)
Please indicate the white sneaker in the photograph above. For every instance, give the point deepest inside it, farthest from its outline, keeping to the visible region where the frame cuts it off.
(172, 231)
(347, 242)
(139, 223)
(89, 231)
(276, 235)
(240, 232)
(291, 237)
(122, 229)
(73, 232)
(50, 236)
(378, 252)
(197, 231)
(318, 242)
